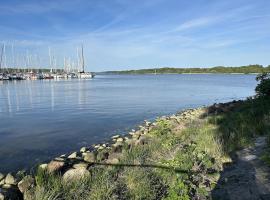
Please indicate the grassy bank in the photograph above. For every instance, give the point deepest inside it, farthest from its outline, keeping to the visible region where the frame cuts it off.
(177, 157)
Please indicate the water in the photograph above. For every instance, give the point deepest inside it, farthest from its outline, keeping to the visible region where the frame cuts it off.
(43, 119)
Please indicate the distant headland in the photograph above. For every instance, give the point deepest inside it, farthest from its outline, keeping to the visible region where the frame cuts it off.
(248, 69)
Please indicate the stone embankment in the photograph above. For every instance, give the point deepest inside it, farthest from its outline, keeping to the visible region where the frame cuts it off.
(77, 165)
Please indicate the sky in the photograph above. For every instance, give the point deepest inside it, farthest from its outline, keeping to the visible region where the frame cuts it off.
(128, 34)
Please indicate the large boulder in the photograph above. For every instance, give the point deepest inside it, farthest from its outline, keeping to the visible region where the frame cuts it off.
(75, 174)
(55, 166)
(89, 157)
(10, 179)
(26, 183)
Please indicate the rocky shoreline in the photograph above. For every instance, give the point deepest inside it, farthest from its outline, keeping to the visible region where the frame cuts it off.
(78, 165)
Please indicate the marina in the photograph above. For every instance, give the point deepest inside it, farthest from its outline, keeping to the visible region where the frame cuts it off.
(69, 70)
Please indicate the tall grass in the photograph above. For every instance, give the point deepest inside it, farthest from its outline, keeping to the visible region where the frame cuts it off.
(174, 163)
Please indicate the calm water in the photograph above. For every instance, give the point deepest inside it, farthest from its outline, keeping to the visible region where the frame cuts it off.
(43, 119)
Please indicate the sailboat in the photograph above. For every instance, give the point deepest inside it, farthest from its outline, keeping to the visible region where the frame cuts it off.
(82, 74)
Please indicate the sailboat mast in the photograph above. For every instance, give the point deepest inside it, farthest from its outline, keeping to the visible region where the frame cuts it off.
(1, 58)
(82, 60)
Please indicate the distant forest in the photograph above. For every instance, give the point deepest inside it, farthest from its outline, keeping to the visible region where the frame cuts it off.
(220, 69)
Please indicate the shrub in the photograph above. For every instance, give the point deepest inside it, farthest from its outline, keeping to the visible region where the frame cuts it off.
(263, 88)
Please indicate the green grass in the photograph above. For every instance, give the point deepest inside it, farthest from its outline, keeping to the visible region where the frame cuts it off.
(175, 163)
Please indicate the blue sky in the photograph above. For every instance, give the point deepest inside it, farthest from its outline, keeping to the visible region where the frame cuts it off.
(128, 34)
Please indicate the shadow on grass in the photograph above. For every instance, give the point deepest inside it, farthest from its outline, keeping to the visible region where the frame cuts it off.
(239, 123)
(177, 170)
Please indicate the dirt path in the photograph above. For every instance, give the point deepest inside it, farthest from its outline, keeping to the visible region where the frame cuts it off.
(248, 178)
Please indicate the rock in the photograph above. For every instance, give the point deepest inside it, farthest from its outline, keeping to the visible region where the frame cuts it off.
(131, 133)
(75, 174)
(26, 183)
(43, 166)
(10, 179)
(115, 136)
(80, 165)
(59, 159)
(120, 140)
(83, 149)
(89, 157)
(101, 148)
(73, 155)
(7, 186)
(2, 176)
(55, 166)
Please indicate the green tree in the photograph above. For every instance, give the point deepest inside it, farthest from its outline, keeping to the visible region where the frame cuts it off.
(263, 88)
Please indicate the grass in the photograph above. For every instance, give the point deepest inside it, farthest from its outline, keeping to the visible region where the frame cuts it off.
(179, 161)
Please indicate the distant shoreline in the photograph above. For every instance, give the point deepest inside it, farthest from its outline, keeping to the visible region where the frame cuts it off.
(248, 69)
(105, 73)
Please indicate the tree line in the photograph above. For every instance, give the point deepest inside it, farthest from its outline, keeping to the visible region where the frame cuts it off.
(219, 69)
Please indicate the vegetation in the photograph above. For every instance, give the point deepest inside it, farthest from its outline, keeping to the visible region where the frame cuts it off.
(220, 69)
(182, 156)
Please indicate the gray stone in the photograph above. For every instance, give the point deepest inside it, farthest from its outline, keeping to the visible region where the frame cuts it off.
(101, 148)
(120, 140)
(73, 155)
(26, 183)
(83, 149)
(55, 166)
(80, 165)
(115, 136)
(75, 174)
(43, 166)
(59, 159)
(10, 179)
(89, 157)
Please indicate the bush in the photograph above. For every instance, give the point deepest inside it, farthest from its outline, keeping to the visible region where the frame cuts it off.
(263, 88)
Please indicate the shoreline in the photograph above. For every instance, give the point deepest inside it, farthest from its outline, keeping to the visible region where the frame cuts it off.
(76, 165)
